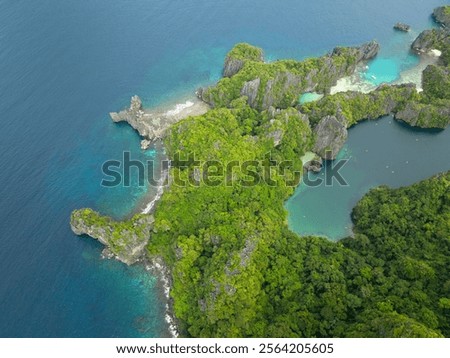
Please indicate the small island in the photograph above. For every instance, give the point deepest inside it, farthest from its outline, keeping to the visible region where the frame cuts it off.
(234, 267)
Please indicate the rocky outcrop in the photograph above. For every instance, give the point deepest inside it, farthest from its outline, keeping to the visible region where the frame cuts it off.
(402, 27)
(364, 52)
(425, 115)
(331, 135)
(436, 81)
(126, 241)
(352, 106)
(250, 89)
(153, 125)
(442, 15)
(237, 57)
(314, 165)
(277, 88)
(232, 66)
(284, 88)
(280, 83)
(283, 122)
(435, 38)
(276, 136)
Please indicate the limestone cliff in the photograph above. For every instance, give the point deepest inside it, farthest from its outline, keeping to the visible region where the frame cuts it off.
(430, 39)
(435, 38)
(403, 101)
(126, 241)
(237, 58)
(134, 116)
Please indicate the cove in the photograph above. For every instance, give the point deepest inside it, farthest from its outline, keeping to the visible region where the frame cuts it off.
(382, 152)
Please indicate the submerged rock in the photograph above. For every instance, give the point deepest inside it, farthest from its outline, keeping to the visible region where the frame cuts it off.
(331, 135)
(402, 27)
(126, 241)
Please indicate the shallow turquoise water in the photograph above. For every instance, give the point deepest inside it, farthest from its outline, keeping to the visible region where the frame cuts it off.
(382, 152)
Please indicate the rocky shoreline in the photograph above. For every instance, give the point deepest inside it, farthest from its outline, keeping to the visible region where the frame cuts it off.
(127, 241)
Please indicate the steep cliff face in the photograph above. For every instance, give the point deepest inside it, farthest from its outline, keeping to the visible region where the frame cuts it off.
(279, 84)
(402, 27)
(442, 15)
(126, 241)
(153, 124)
(426, 110)
(431, 39)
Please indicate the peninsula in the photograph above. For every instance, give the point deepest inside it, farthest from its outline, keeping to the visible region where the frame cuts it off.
(235, 268)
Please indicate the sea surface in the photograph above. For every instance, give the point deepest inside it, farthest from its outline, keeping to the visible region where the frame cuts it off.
(64, 65)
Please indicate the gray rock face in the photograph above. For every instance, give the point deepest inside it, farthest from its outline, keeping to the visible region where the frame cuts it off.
(145, 144)
(364, 52)
(442, 15)
(121, 242)
(428, 40)
(250, 89)
(232, 66)
(331, 135)
(425, 116)
(283, 82)
(276, 136)
(402, 27)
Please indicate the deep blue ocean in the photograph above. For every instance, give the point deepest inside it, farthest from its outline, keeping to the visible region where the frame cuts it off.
(64, 65)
